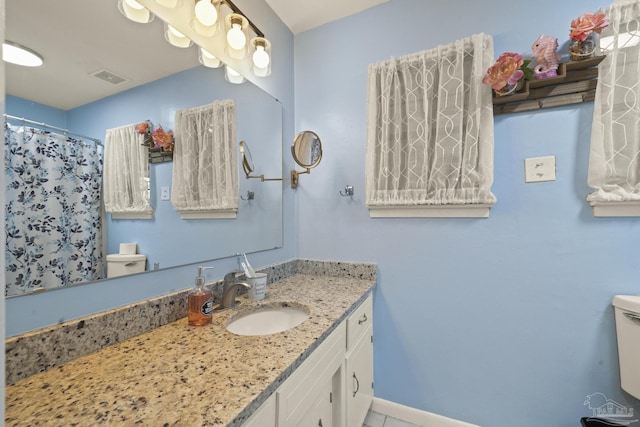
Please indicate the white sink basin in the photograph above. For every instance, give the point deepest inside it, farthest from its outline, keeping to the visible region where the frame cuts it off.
(267, 319)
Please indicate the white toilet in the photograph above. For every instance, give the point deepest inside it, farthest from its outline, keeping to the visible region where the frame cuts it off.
(123, 264)
(627, 311)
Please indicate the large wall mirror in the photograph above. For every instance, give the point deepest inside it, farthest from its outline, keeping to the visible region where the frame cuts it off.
(80, 39)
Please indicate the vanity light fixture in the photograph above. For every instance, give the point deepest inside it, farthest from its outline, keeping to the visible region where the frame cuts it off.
(205, 18)
(261, 56)
(236, 27)
(20, 55)
(135, 11)
(201, 19)
(208, 60)
(175, 37)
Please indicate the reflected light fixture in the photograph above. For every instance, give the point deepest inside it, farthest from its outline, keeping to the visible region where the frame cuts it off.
(135, 11)
(201, 20)
(232, 76)
(236, 26)
(175, 37)
(209, 60)
(20, 55)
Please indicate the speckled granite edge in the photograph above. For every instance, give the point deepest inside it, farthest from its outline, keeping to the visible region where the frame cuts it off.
(337, 269)
(43, 349)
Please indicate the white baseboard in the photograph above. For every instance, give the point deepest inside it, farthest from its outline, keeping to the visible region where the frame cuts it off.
(415, 416)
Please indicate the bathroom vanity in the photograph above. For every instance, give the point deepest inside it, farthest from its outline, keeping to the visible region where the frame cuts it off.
(318, 373)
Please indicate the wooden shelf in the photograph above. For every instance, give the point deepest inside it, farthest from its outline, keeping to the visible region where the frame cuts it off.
(576, 82)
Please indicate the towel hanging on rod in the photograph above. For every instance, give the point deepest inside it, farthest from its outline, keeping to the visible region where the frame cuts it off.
(47, 126)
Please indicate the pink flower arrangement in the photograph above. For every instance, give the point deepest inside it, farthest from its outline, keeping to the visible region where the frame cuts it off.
(586, 23)
(162, 139)
(505, 71)
(142, 128)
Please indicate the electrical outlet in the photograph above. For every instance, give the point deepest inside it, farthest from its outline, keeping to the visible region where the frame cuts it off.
(165, 193)
(537, 169)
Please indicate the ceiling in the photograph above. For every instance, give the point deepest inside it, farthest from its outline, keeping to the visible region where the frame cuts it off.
(75, 48)
(303, 15)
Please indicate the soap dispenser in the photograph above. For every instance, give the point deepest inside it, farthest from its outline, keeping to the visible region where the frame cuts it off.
(200, 302)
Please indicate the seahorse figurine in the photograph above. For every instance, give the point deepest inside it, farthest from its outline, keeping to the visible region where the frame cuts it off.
(544, 51)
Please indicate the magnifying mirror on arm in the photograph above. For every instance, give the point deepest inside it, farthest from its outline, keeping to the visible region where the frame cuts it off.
(247, 164)
(307, 152)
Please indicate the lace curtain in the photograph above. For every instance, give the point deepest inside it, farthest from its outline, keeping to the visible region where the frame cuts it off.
(53, 205)
(430, 127)
(205, 162)
(126, 174)
(614, 162)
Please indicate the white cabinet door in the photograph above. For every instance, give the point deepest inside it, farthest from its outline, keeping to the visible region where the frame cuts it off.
(265, 416)
(359, 379)
(304, 388)
(321, 412)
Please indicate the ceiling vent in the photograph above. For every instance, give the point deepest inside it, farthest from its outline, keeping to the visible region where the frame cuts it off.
(109, 77)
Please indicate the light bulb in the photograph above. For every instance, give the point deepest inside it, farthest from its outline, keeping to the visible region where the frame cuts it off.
(233, 76)
(176, 32)
(134, 4)
(176, 38)
(236, 38)
(209, 60)
(260, 57)
(206, 13)
(135, 11)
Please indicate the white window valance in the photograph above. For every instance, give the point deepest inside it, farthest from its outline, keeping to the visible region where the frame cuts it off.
(430, 131)
(205, 162)
(614, 161)
(126, 174)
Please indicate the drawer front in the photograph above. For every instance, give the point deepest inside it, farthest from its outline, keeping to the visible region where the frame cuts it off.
(359, 321)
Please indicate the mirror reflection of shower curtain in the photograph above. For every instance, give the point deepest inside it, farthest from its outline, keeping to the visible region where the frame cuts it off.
(53, 205)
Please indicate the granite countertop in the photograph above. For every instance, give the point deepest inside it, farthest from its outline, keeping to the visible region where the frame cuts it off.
(177, 375)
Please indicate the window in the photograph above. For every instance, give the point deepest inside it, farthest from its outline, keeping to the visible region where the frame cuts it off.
(205, 162)
(430, 132)
(614, 161)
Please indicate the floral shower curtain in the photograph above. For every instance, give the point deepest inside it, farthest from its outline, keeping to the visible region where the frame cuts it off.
(53, 206)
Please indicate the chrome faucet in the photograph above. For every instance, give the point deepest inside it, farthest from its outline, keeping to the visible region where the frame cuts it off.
(230, 289)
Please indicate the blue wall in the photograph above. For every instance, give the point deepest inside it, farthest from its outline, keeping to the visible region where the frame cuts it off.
(23, 108)
(501, 322)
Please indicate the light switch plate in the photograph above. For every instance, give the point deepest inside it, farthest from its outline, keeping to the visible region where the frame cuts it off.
(537, 169)
(165, 193)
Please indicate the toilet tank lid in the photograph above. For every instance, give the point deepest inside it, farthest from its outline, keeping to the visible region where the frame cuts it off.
(627, 302)
(125, 257)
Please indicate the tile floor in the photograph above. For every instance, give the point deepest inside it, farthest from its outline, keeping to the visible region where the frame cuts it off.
(375, 419)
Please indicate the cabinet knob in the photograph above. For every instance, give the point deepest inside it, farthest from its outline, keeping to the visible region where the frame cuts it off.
(320, 422)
